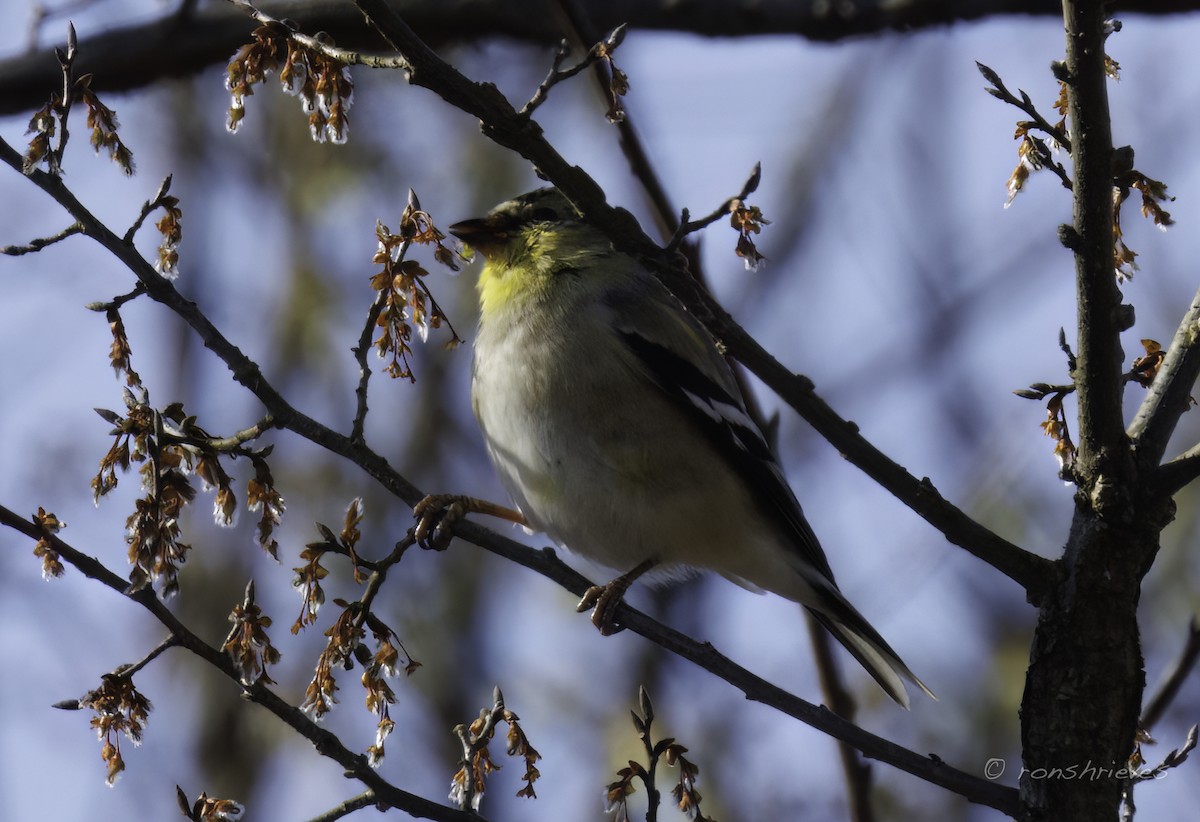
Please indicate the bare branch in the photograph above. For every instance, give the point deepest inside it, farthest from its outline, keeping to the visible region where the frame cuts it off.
(558, 74)
(1180, 471)
(364, 800)
(929, 768)
(323, 45)
(148, 208)
(502, 124)
(361, 352)
(857, 773)
(42, 242)
(116, 302)
(326, 743)
(1179, 671)
(1175, 758)
(1170, 393)
(1102, 449)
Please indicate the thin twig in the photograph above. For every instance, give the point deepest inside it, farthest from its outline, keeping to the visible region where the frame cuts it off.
(1044, 155)
(116, 302)
(634, 149)
(1041, 390)
(124, 671)
(364, 370)
(233, 444)
(1179, 671)
(687, 226)
(1179, 472)
(148, 207)
(354, 58)
(42, 242)
(129, 670)
(558, 74)
(1173, 759)
(1169, 395)
(1025, 104)
(355, 803)
(66, 61)
(856, 773)
(379, 572)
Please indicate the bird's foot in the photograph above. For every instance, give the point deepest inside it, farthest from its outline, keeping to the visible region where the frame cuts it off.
(437, 514)
(604, 600)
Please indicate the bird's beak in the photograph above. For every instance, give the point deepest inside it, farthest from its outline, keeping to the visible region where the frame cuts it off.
(487, 235)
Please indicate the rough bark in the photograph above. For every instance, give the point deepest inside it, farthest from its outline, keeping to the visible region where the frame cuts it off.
(1085, 682)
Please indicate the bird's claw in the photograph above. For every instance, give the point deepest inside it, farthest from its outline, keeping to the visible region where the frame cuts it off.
(604, 601)
(436, 516)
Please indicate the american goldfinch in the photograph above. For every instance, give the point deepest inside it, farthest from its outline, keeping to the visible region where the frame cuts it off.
(618, 429)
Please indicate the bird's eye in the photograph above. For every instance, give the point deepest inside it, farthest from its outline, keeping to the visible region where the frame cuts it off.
(545, 215)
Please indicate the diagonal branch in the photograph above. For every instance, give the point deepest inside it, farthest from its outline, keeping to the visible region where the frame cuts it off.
(1178, 673)
(1169, 396)
(545, 562)
(326, 743)
(929, 768)
(355, 803)
(1180, 471)
(502, 124)
(1032, 572)
(244, 370)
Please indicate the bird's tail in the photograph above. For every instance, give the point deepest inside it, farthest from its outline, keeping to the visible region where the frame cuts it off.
(870, 649)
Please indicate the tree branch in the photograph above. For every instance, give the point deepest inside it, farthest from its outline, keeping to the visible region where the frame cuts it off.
(1085, 681)
(1169, 396)
(364, 800)
(1032, 572)
(930, 768)
(1179, 472)
(326, 743)
(1101, 461)
(504, 126)
(244, 370)
(856, 773)
(140, 54)
(1177, 674)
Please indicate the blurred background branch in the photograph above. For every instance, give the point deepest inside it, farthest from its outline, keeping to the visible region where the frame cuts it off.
(193, 36)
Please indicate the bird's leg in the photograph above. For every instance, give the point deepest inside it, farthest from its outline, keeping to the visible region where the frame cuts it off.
(604, 599)
(437, 513)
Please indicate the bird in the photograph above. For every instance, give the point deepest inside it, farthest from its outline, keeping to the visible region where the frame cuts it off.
(617, 427)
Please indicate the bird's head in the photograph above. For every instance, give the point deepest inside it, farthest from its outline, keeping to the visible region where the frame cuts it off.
(527, 228)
